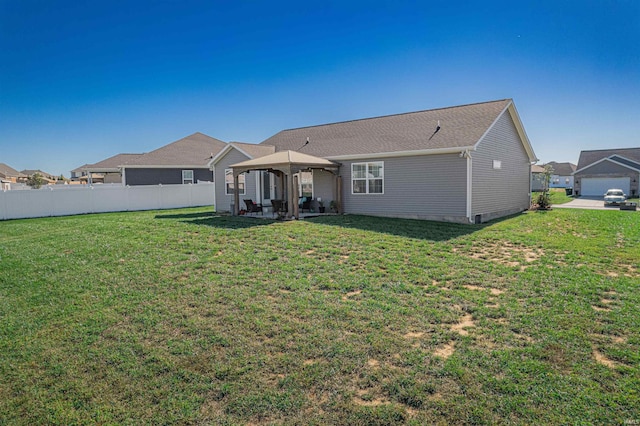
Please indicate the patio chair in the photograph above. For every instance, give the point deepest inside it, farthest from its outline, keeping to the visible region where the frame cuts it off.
(279, 207)
(305, 204)
(253, 207)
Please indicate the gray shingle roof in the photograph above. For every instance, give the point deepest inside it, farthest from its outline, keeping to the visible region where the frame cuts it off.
(254, 150)
(460, 126)
(112, 162)
(195, 150)
(562, 169)
(590, 157)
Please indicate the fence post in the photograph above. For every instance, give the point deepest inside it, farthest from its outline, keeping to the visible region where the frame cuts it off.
(3, 204)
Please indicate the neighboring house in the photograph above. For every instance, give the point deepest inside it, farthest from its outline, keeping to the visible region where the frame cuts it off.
(600, 170)
(469, 164)
(47, 177)
(562, 175)
(537, 178)
(80, 174)
(184, 161)
(105, 171)
(9, 174)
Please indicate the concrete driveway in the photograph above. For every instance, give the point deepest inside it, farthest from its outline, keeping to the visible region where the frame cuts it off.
(590, 203)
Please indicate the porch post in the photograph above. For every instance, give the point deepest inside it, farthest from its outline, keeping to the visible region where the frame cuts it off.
(289, 193)
(283, 189)
(339, 194)
(296, 211)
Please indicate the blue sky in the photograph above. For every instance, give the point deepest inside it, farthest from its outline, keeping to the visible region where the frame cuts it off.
(81, 81)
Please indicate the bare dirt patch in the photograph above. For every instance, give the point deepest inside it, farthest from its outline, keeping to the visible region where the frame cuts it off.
(414, 335)
(351, 294)
(599, 309)
(493, 291)
(461, 327)
(606, 338)
(445, 351)
(473, 287)
(602, 359)
(374, 363)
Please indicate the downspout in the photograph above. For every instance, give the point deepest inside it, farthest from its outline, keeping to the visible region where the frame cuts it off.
(467, 154)
(213, 178)
(531, 181)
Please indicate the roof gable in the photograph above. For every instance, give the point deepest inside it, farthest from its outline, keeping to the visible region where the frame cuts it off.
(249, 150)
(459, 127)
(628, 164)
(592, 156)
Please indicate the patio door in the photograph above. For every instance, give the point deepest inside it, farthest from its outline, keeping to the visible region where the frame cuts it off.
(268, 187)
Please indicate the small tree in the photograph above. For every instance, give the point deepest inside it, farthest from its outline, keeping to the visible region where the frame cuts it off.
(35, 181)
(544, 200)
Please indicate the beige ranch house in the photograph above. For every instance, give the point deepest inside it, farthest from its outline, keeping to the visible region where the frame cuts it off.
(466, 164)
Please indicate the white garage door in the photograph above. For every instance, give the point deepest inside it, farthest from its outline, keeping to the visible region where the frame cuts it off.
(596, 187)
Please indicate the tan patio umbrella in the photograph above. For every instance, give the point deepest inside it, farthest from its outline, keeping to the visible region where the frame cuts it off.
(283, 164)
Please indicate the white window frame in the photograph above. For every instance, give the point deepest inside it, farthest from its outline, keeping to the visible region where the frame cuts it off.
(497, 164)
(368, 178)
(228, 182)
(187, 180)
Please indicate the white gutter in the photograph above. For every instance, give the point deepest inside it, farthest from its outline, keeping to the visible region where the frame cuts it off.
(172, 166)
(401, 153)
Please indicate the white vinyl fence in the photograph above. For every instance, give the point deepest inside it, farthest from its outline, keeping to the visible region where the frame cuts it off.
(79, 199)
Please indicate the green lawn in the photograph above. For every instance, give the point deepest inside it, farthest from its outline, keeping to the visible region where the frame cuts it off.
(556, 195)
(186, 317)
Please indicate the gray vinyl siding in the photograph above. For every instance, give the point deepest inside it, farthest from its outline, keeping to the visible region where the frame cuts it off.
(164, 176)
(497, 193)
(224, 201)
(429, 187)
(323, 186)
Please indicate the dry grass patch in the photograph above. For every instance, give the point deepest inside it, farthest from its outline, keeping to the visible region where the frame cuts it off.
(505, 253)
(373, 363)
(365, 398)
